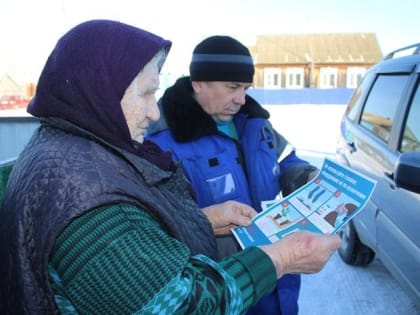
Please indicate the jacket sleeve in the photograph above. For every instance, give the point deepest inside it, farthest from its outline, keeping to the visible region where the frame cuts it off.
(294, 170)
(118, 259)
(281, 144)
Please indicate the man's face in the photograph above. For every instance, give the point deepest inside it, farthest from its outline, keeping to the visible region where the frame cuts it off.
(221, 100)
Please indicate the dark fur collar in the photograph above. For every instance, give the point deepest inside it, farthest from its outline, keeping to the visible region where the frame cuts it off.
(185, 117)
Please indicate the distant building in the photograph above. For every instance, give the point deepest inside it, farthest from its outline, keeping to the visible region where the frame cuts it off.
(8, 86)
(13, 94)
(313, 60)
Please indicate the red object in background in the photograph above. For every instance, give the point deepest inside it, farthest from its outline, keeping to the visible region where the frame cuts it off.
(13, 101)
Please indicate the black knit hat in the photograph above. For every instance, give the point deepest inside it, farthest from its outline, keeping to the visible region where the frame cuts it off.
(221, 58)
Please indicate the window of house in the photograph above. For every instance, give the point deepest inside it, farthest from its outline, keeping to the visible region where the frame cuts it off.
(382, 103)
(294, 78)
(354, 76)
(328, 77)
(272, 78)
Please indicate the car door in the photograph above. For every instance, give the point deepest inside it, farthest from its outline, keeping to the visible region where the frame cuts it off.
(376, 144)
(398, 234)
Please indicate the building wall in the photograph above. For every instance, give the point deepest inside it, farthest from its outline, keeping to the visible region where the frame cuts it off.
(15, 133)
(312, 73)
(314, 96)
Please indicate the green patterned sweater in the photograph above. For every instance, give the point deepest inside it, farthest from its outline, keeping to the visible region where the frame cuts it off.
(119, 260)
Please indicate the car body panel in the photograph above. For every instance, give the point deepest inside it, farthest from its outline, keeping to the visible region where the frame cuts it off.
(390, 223)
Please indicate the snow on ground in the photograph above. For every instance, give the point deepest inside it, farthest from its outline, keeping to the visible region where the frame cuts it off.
(308, 127)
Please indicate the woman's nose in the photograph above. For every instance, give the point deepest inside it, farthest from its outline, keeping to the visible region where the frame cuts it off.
(153, 113)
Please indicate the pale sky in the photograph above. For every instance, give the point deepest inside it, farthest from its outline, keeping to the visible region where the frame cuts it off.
(29, 29)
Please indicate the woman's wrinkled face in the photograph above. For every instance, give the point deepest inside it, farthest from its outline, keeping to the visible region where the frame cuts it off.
(221, 100)
(139, 101)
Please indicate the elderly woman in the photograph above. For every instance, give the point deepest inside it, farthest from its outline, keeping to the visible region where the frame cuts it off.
(97, 220)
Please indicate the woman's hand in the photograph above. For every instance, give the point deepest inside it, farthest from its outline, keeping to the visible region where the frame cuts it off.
(302, 252)
(227, 215)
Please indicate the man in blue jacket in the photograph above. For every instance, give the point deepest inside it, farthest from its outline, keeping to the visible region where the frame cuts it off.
(227, 145)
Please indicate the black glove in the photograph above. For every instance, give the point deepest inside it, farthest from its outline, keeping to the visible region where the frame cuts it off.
(294, 177)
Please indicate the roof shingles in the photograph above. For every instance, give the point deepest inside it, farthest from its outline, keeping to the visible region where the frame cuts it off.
(316, 48)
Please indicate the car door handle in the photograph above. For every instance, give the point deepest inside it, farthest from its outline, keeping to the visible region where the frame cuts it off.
(351, 146)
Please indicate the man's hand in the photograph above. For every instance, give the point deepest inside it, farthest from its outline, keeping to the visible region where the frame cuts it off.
(227, 215)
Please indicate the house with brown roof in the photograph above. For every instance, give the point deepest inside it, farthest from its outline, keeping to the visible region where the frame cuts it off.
(313, 60)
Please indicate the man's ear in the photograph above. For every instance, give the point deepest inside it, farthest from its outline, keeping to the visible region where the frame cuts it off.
(197, 86)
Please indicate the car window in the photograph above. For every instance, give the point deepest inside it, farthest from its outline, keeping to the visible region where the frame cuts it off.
(381, 105)
(411, 136)
(356, 99)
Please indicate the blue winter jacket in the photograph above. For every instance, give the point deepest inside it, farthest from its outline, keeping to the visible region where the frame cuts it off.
(220, 168)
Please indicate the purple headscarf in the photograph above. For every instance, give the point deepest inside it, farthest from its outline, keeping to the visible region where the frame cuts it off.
(86, 76)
